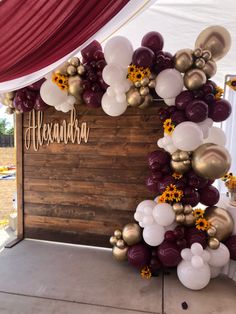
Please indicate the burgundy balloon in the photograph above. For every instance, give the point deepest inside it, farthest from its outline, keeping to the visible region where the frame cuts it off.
(170, 236)
(193, 235)
(198, 94)
(163, 114)
(178, 117)
(231, 245)
(24, 100)
(191, 197)
(209, 99)
(182, 244)
(209, 196)
(98, 55)
(89, 51)
(139, 255)
(181, 183)
(166, 170)
(169, 254)
(164, 60)
(220, 110)
(143, 57)
(195, 181)
(152, 185)
(153, 40)
(155, 266)
(179, 232)
(158, 158)
(36, 86)
(196, 111)
(40, 105)
(183, 99)
(92, 99)
(165, 182)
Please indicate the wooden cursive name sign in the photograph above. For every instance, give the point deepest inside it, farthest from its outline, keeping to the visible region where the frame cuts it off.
(39, 133)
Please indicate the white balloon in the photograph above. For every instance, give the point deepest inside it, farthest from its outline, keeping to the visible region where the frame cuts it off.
(138, 216)
(51, 94)
(186, 254)
(216, 136)
(187, 136)
(121, 98)
(215, 271)
(219, 257)
(144, 205)
(110, 91)
(163, 214)
(169, 83)
(166, 143)
(71, 100)
(111, 107)
(193, 278)
(205, 126)
(147, 221)
(197, 261)
(206, 256)
(196, 249)
(113, 73)
(118, 50)
(153, 235)
(170, 101)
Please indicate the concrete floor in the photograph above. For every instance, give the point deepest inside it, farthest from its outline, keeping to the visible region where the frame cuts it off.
(46, 278)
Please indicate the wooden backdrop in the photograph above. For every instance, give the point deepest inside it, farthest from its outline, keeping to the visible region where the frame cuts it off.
(81, 193)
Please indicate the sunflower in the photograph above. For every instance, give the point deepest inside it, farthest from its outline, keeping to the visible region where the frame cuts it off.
(218, 92)
(61, 81)
(168, 195)
(198, 213)
(168, 126)
(131, 68)
(171, 188)
(232, 83)
(202, 224)
(161, 199)
(177, 195)
(136, 74)
(177, 175)
(227, 176)
(146, 272)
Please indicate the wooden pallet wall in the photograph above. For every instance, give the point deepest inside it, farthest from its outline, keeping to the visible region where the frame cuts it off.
(81, 193)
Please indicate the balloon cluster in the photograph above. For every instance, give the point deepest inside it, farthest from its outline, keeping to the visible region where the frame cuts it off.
(193, 156)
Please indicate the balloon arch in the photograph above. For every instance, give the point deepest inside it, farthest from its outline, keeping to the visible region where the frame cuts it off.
(170, 230)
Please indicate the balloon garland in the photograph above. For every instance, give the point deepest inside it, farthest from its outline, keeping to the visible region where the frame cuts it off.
(169, 231)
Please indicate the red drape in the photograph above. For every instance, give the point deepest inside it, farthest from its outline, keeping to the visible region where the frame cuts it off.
(36, 33)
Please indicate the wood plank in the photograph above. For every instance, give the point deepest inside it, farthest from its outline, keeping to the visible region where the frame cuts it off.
(85, 187)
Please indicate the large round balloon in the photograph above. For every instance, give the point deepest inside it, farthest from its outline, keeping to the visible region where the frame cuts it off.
(220, 110)
(24, 100)
(143, 57)
(113, 74)
(183, 99)
(194, 79)
(51, 94)
(183, 60)
(169, 83)
(169, 254)
(111, 107)
(118, 50)
(89, 51)
(219, 257)
(196, 111)
(139, 255)
(209, 195)
(154, 234)
(216, 136)
(216, 39)
(164, 214)
(211, 161)
(158, 159)
(193, 235)
(187, 136)
(153, 40)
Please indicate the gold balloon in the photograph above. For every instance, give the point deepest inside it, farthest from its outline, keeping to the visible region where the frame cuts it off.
(180, 162)
(180, 218)
(216, 39)
(144, 81)
(81, 69)
(75, 61)
(118, 234)
(213, 243)
(120, 244)
(71, 70)
(137, 84)
(188, 209)
(183, 60)
(206, 55)
(120, 254)
(210, 68)
(133, 97)
(197, 52)
(211, 161)
(200, 63)
(194, 79)
(178, 208)
(211, 231)
(10, 95)
(62, 69)
(132, 233)
(75, 87)
(152, 84)
(147, 102)
(113, 240)
(144, 91)
(189, 220)
(221, 220)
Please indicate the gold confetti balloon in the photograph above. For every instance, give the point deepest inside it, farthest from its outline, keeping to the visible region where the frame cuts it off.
(132, 233)
(221, 220)
(183, 60)
(120, 254)
(216, 39)
(211, 161)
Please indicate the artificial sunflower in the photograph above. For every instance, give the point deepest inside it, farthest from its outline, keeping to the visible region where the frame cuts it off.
(171, 188)
(202, 224)
(227, 176)
(168, 126)
(177, 175)
(168, 195)
(218, 92)
(61, 81)
(136, 74)
(232, 83)
(198, 213)
(161, 199)
(177, 195)
(146, 272)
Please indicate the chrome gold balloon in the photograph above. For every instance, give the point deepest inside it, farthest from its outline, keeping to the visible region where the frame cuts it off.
(183, 60)
(178, 208)
(189, 220)
(211, 161)
(120, 254)
(213, 243)
(71, 70)
(211, 231)
(81, 69)
(133, 97)
(75, 61)
(120, 244)
(144, 90)
(113, 240)
(216, 39)
(118, 234)
(180, 218)
(200, 63)
(75, 88)
(132, 233)
(221, 220)
(194, 79)
(210, 68)
(180, 161)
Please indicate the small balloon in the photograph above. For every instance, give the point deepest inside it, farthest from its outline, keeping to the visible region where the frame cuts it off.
(153, 40)
(143, 57)
(132, 234)
(220, 110)
(196, 111)
(88, 52)
(139, 255)
(183, 60)
(194, 79)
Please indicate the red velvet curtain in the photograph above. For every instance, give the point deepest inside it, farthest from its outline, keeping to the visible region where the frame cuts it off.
(36, 33)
